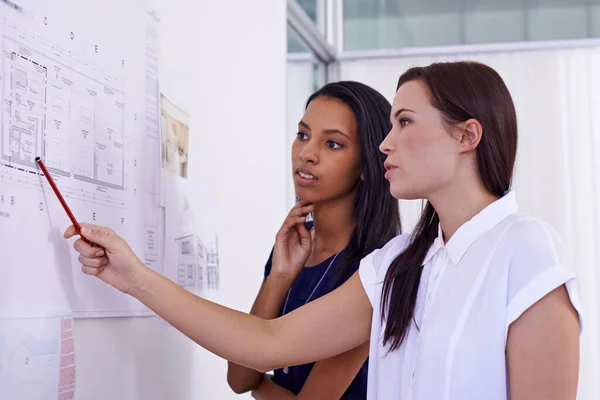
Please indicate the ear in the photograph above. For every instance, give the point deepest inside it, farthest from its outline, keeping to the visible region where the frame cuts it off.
(469, 134)
(362, 177)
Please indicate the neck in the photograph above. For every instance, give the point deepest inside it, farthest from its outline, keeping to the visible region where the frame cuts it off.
(454, 208)
(334, 222)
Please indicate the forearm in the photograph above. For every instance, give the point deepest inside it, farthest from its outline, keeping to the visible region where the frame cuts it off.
(271, 297)
(256, 343)
(266, 306)
(269, 390)
(230, 334)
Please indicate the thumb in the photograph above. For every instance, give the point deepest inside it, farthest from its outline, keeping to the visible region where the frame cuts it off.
(99, 235)
(304, 234)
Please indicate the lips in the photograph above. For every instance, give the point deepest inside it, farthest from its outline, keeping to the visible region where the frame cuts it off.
(389, 168)
(304, 177)
(305, 173)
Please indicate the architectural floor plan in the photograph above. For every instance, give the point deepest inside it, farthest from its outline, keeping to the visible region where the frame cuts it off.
(86, 101)
(64, 110)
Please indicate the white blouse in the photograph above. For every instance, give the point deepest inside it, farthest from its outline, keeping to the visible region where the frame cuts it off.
(472, 288)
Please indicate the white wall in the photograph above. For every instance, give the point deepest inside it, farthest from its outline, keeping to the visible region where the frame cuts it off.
(225, 62)
(300, 85)
(557, 96)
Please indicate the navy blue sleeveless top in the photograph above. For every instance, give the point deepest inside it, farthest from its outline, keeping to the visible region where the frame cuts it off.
(300, 291)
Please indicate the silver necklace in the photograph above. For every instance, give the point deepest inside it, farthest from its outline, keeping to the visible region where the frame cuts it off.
(287, 298)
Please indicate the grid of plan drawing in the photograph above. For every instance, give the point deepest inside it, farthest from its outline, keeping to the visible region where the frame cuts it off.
(63, 109)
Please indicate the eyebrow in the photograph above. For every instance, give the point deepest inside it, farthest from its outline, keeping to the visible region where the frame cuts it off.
(326, 131)
(397, 113)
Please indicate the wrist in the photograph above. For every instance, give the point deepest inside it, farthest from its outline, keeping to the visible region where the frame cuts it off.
(281, 282)
(140, 278)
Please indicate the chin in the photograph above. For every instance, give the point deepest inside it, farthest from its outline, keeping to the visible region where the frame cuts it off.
(306, 194)
(403, 193)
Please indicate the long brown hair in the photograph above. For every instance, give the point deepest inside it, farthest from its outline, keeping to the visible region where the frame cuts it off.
(376, 212)
(459, 91)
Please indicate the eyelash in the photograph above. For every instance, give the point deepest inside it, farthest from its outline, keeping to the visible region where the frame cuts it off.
(299, 135)
(339, 146)
(330, 143)
(402, 120)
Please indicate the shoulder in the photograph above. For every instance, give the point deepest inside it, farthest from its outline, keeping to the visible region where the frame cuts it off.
(380, 257)
(538, 263)
(374, 266)
(533, 244)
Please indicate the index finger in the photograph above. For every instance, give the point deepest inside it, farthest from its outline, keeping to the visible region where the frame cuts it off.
(302, 203)
(96, 228)
(305, 209)
(72, 231)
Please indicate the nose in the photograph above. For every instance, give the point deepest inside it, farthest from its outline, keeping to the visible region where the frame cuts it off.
(309, 153)
(386, 146)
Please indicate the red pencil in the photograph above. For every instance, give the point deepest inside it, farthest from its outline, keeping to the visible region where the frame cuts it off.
(39, 162)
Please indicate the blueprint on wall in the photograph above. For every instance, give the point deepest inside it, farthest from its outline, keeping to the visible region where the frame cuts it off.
(85, 99)
(37, 359)
(191, 256)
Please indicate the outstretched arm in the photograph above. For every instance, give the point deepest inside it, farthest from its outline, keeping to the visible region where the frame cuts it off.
(261, 344)
(247, 340)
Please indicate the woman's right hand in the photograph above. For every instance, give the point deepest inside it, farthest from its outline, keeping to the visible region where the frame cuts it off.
(293, 244)
(110, 258)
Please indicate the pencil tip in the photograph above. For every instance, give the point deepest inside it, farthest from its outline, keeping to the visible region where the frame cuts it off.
(37, 159)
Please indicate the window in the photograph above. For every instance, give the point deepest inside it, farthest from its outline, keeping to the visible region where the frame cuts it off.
(305, 75)
(310, 6)
(395, 24)
(294, 44)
